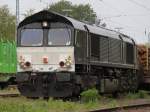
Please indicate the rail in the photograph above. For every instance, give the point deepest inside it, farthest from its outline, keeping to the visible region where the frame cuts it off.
(10, 95)
(129, 107)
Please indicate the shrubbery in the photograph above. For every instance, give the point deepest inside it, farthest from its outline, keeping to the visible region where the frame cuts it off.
(91, 95)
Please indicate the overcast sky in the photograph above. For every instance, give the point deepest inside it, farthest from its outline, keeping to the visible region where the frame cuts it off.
(132, 16)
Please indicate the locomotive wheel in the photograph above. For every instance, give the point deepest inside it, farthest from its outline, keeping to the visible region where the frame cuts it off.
(129, 82)
(134, 79)
(77, 90)
(124, 86)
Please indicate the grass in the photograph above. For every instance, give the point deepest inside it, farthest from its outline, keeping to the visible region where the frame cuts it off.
(26, 105)
(138, 95)
(22, 104)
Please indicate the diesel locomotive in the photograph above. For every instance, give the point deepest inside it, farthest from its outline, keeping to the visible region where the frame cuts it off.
(59, 57)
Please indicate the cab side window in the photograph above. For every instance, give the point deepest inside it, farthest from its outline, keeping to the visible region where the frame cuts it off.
(81, 39)
(81, 45)
(95, 46)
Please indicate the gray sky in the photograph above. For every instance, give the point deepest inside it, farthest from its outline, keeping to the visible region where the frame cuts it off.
(133, 16)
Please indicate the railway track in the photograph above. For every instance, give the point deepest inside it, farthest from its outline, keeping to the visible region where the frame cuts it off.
(125, 108)
(11, 91)
(10, 95)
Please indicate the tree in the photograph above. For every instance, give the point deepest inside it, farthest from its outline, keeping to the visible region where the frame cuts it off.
(7, 24)
(29, 13)
(80, 12)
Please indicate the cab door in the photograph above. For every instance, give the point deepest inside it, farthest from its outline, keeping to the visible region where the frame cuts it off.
(81, 47)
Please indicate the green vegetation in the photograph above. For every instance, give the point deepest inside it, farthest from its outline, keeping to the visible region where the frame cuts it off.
(5, 77)
(7, 24)
(29, 13)
(91, 95)
(140, 94)
(28, 105)
(80, 12)
(22, 104)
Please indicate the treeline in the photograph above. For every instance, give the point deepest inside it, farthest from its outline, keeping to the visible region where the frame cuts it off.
(7, 24)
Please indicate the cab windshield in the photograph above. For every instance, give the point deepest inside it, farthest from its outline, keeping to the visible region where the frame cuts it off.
(59, 36)
(32, 37)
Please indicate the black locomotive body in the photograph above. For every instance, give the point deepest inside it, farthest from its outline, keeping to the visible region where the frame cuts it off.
(102, 58)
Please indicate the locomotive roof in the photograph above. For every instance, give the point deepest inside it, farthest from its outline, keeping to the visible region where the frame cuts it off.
(48, 15)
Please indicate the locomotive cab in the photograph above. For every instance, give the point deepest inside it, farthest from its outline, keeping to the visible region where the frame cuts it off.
(45, 54)
(45, 48)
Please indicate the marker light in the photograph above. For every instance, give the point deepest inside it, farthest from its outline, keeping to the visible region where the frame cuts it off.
(22, 65)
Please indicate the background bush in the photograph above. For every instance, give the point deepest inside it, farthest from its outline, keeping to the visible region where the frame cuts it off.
(91, 95)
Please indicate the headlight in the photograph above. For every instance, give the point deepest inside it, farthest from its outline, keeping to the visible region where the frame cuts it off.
(45, 24)
(25, 61)
(65, 61)
(68, 62)
(27, 64)
(61, 64)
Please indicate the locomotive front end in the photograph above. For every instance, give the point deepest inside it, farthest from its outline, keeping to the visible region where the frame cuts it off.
(45, 54)
(45, 59)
